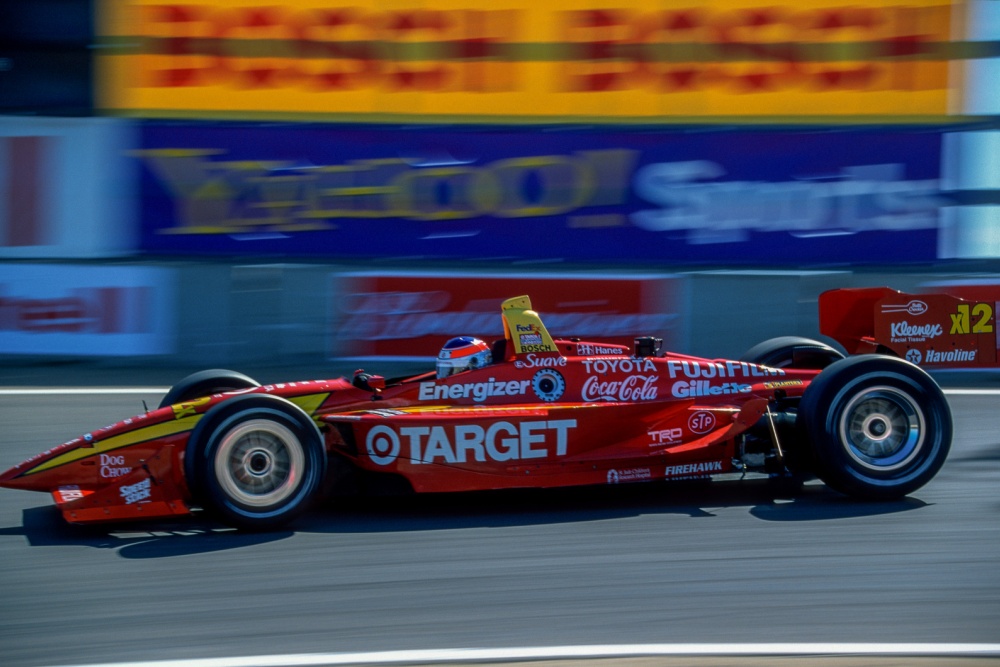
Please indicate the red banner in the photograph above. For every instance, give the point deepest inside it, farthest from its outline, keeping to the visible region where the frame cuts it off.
(411, 315)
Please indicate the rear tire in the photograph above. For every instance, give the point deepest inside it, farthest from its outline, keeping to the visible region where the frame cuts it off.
(879, 427)
(256, 461)
(792, 352)
(206, 383)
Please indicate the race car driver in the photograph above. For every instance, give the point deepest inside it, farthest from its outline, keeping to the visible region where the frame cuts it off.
(458, 354)
(462, 354)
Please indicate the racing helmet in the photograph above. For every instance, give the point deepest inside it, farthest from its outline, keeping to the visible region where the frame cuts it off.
(461, 354)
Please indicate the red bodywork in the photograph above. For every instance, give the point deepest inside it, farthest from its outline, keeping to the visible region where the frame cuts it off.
(949, 326)
(547, 413)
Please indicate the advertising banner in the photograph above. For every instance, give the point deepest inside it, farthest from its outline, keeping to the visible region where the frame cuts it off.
(455, 60)
(55, 309)
(66, 188)
(747, 197)
(411, 315)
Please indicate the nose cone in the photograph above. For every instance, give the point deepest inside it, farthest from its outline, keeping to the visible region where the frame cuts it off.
(15, 479)
(43, 472)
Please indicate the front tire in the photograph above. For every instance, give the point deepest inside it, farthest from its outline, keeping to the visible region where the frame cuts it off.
(256, 461)
(879, 427)
(206, 383)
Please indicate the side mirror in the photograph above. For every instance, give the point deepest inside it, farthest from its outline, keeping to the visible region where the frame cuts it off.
(368, 382)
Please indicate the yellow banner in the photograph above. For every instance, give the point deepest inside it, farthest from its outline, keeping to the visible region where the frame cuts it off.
(519, 60)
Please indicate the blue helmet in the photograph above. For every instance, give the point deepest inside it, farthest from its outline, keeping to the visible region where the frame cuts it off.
(461, 354)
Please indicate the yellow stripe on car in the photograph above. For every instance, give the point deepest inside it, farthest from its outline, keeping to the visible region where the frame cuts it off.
(154, 432)
(310, 403)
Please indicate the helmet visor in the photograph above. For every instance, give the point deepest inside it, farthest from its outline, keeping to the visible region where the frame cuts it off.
(448, 367)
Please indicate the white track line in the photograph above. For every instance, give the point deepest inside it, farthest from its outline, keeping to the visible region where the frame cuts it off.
(72, 391)
(972, 392)
(442, 656)
(98, 391)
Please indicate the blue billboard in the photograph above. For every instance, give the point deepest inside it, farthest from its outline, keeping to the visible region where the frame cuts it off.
(609, 195)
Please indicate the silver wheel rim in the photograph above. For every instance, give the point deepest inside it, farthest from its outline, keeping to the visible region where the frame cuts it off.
(882, 429)
(259, 463)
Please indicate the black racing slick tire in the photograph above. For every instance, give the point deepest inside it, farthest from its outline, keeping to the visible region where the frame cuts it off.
(879, 427)
(792, 352)
(255, 461)
(206, 383)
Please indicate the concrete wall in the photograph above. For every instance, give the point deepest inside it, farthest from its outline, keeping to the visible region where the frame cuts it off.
(283, 314)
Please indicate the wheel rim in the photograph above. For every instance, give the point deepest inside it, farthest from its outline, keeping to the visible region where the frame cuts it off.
(882, 428)
(259, 463)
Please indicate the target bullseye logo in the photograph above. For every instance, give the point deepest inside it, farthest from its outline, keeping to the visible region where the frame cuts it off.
(548, 385)
(382, 444)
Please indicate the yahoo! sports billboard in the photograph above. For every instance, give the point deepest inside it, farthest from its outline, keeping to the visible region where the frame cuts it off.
(713, 196)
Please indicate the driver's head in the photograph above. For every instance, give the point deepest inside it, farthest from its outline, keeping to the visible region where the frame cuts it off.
(461, 354)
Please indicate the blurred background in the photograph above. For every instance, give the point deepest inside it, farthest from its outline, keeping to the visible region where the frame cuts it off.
(267, 182)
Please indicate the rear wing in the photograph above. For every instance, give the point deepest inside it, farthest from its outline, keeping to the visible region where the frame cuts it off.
(848, 317)
(933, 329)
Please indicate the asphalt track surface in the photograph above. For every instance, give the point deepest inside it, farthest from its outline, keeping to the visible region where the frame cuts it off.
(715, 564)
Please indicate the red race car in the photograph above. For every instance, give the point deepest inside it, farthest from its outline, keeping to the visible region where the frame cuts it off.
(952, 326)
(526, 411)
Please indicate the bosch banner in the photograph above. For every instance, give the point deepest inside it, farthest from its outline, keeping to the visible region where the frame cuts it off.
(748, 197)
(458, 60)
(410, 315)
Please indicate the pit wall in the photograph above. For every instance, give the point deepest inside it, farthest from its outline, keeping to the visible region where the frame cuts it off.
(329, 316)
(222, 211)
